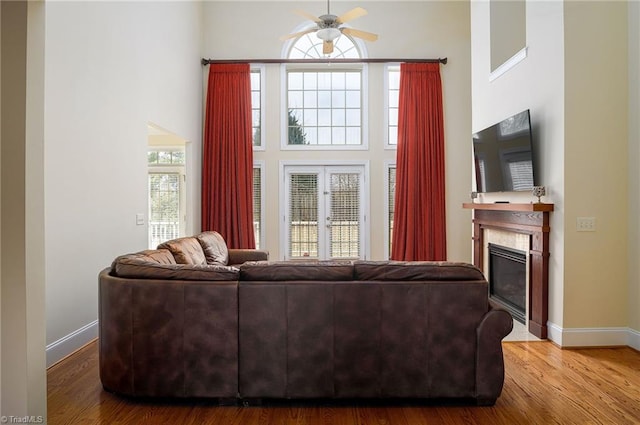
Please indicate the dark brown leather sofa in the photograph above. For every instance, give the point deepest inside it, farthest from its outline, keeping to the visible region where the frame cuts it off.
(265, 330)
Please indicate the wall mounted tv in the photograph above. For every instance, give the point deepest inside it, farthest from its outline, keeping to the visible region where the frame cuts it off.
(503, 156)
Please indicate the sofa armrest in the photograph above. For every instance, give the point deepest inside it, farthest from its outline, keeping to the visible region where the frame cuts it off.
(495, 325)
(240, 256)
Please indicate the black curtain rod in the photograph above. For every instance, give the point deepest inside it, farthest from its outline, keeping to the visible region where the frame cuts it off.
(323, 60)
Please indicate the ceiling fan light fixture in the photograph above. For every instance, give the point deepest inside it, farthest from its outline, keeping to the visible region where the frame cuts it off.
(328, 34)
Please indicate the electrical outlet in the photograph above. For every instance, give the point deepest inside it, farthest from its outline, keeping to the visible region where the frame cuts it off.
(586, 224)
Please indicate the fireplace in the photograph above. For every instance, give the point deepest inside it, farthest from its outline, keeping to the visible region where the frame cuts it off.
(532, 221)
(508, 279)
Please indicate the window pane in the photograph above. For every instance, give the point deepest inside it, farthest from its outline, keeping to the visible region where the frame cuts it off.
(303, 215)
(352, 99)
(295, 99)
(324, 80)
(257, 205)
(295, 81)
(345, 215)
(391, 176)
(338, 80)
(338, 99)
(324, 135)
(354, 136)
(164, 157)
(177, 157)
(352, 80)
(353, 117)
(164, 207)
(310, 81)
(324, 117)
(393, 78)
(311, 135)
(256, 107)
(324, 99)
(310, 117)
(338, 117)
(310, 99)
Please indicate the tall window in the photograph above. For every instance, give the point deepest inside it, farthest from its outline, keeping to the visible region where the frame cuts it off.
(325, 108)
(258, 189)
(324, 105)
(390, 195)
(166, 194)
(257, 106)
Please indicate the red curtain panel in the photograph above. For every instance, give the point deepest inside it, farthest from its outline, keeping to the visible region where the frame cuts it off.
(227, 163)
(419, 231)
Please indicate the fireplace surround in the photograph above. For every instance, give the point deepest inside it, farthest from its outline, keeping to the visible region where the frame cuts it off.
(532, 221)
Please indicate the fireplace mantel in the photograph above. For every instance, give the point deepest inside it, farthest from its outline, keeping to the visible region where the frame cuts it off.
(531, 219)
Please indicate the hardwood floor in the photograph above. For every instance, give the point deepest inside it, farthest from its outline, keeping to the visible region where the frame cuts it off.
(543, 385)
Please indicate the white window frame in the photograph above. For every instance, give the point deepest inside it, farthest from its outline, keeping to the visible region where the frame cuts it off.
(364, 108)
(365, 199)
(387, 68)
(260, 164)
(260, 68)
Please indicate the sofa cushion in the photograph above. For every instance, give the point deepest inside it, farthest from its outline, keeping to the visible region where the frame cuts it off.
(214, 247)
(294, 270)
(185, 250)
(415, 270)
(144, 265)
(160, 256)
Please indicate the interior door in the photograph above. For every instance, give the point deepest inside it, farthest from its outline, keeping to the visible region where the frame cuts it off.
(324, 212)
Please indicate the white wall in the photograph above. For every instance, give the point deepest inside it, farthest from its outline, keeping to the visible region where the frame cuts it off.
(536, 84)
(429, 29)
(111, 68)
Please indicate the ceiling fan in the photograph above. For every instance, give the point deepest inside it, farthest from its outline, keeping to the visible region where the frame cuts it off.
(329, 27)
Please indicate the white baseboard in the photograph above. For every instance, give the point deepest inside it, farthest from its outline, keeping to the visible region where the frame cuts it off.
(66, 345)
(593, 337)
(634, 339)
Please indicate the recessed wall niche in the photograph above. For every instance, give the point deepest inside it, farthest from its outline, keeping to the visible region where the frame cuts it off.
(508, 30)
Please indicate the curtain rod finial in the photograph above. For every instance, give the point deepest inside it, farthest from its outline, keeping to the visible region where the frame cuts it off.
(443, 61)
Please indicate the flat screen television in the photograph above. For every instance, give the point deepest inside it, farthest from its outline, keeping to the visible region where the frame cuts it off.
(503, 156)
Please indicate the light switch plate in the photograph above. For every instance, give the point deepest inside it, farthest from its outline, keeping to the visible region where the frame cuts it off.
(586, 224)
(140, 219)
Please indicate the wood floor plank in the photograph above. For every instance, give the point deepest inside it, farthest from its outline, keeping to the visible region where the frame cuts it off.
(543, 385)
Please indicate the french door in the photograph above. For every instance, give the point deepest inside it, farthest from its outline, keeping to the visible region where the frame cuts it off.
(324, 212)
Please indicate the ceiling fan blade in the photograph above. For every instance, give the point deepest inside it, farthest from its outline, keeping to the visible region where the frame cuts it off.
(298, 34)
(369, 36)
(307, 15)
(327, 47)
(351, 15)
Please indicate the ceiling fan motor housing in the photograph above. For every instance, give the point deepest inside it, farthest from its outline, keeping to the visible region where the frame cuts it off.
(328, 21)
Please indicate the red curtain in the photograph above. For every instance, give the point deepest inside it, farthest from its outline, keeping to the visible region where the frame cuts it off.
(227, 163)
(419, 230)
